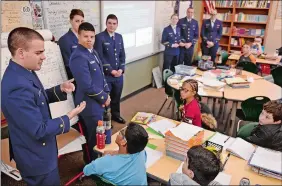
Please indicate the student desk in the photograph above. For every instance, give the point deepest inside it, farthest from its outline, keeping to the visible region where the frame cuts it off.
(259, 87)
(166, 165)
(236, 57)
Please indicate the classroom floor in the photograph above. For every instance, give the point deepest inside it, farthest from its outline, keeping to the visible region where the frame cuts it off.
(149, 100)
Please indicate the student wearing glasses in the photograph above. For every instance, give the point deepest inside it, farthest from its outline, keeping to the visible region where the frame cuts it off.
(127, 166)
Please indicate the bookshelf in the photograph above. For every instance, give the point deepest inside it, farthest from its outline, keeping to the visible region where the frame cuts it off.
(242, 20)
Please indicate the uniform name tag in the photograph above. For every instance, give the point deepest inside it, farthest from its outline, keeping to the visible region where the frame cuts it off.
(39, 93)
(91, 62)
(74, 46)
(106, 43)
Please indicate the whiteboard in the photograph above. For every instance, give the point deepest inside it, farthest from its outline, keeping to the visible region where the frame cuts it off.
(163, 12)
(56, 15)
(136, 22)
(52, 73)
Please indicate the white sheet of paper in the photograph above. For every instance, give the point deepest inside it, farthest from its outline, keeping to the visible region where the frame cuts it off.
(223, 178)
(185, 131)
(73, 146)
(152, 156)
(162, 126)
(179, 170)
(242, 148)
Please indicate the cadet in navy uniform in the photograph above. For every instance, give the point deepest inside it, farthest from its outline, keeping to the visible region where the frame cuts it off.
(171, 38)
(211, 34)
(190, 33)
(69, 41)
(25, 104)
(110, 48)
(92, 87)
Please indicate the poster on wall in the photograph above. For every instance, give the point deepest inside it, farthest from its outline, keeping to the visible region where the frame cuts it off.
(37, 14)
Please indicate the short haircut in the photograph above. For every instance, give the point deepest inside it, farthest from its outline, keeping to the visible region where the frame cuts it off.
(111, 16)
(249, 43)
(75, 12)
(86, 27)
(173, 15)
(274, 108)
(20, 38)
(204, 163)
(136, 137)
(190, 7)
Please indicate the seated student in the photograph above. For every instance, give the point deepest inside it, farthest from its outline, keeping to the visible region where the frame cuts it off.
(268, 133)
(247, 55)
(127, 166)
(191, 112)
(257, 48)
(200, 168)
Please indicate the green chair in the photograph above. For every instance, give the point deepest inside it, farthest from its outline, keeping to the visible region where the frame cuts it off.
(248, 66)
(100, 181)
(224, 57)
(277, 76)
(245, 131)
(251, 108)
(168, 90)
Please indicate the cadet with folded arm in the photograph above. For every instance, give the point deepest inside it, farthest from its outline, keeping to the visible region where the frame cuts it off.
(25, 104)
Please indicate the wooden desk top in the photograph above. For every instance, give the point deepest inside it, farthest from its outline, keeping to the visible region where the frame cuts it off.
(259, 87)
(166, 165)
(258, 60)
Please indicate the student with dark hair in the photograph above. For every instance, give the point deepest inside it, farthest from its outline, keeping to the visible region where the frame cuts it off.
(200, 168)
(127, 166)
(92, 87)
(25, 104)
(68, 42)
(110, 48)
(247, 55)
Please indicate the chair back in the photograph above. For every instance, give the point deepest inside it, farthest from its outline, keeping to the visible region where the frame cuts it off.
(253, 106)
(245, 131)
(248, 66)
(277, 76)
(224, 57)
(168, 90)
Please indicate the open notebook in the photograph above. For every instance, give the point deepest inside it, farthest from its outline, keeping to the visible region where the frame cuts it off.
(241, 149)
(267, 159)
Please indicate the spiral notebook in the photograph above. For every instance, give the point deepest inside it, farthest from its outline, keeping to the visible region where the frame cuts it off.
(241, 149)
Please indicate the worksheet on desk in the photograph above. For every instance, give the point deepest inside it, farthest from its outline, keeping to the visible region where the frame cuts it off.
(152, 156)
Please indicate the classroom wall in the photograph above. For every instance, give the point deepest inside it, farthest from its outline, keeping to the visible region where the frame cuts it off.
(273, 38)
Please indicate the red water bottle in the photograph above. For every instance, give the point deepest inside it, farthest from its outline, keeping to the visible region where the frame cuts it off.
(100, 135)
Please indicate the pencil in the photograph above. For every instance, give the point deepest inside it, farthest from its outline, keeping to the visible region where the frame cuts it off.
(225, 161)
(226, 139)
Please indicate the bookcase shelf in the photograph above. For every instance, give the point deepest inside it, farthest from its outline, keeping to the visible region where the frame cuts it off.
(242, 30)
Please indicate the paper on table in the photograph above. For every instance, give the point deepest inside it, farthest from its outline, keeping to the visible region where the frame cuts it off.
(222, 178)
(152, 156)
(73, 146)
(185, 131)
(241, 148)
(162, 126)
(267, 159)
(222, 140)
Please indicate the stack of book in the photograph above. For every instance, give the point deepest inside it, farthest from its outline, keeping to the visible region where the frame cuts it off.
(181, 138)
(253, 4)
(237, 82)
(267, 162)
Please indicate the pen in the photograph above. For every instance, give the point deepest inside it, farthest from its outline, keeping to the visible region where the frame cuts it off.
(226, 140)
(225, 161)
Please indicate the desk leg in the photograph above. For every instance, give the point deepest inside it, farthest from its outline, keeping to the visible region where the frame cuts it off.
(233, 117)
(221, 110)
(213, 106)
(210, 104)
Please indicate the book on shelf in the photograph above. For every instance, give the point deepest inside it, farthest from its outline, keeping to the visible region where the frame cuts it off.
(253, 3)
(241, 17)
(248, 32)
(224, 16)
(225, 30)
(223, 3)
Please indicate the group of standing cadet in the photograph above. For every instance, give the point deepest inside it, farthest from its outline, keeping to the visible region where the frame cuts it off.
(180, 37)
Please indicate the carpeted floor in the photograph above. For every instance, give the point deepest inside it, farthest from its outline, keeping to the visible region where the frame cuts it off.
(149, 100)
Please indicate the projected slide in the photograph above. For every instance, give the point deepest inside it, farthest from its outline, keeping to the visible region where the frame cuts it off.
(135, 23)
